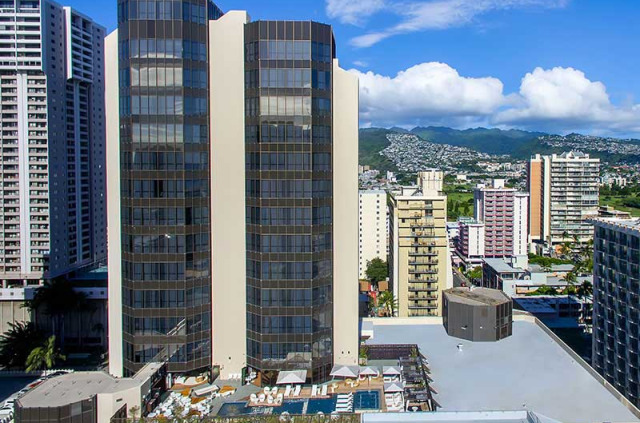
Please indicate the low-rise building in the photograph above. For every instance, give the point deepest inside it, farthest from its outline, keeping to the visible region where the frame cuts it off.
(531, 370)
(92, 397)
(477, 314)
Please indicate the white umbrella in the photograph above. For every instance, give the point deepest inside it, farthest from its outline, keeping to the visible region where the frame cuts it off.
(345, 371)
(368, 371)
(291, 377)
(391, 371)
(393, 387)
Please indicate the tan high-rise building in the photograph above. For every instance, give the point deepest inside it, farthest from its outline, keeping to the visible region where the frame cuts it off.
(418, 250)
(564, 195)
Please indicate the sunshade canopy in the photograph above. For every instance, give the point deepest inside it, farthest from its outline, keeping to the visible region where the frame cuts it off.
(368, 371)
(391, 371)
(345, 371)
(291, 377)
(393, 387)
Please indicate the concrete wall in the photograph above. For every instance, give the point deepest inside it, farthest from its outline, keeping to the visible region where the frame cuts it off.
(345, 215)
(228, 241)
(112, 112)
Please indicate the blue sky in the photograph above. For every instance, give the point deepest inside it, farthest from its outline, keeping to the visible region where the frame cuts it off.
(555, 65)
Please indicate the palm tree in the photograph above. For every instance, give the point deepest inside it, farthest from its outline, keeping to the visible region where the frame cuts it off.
(57, 298)
(584, 291)
(565, 248)
(571, 280)
(44, 356)
(17, 343)
(388, 302)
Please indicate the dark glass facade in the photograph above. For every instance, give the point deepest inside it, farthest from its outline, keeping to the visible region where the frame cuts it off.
(165, 195)
(289, 178)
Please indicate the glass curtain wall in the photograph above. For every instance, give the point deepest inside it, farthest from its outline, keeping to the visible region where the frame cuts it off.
(288, 97)
(164, 143)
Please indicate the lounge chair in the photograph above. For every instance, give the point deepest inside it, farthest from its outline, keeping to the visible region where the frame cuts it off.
(296, 393)
(269, 399)
(287, 391)
(253, 398)
(279, 398)
(314, 391)
(274, 391)
(262, 397)
(324, 391)
(266, 390)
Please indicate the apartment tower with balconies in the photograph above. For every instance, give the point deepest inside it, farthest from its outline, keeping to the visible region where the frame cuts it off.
(564, 190)
(418, 246)
(52, 141)
(504, 214)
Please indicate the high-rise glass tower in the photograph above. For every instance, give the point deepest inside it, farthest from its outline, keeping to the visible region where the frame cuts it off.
(52, 140)
(165, 196)
(233, 202)
(288, 68)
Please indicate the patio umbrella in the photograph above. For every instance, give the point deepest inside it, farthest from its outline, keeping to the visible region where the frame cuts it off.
(291, 377)
(345, 371)
(391, 371)
(393, 387)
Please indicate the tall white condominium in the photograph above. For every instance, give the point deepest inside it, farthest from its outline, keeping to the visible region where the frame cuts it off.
(564, 192)
(504, 212)
(374, 228)
(233, 194)
(616, 304)
(52, 197)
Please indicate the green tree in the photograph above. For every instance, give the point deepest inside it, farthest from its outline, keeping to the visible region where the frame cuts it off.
(474, 274)
(17, 343)
(377, 270)
(57, 299)
(44, 356)
(387, 301)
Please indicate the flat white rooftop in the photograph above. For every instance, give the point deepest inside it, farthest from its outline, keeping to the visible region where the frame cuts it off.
(458, 417)
(526, 371)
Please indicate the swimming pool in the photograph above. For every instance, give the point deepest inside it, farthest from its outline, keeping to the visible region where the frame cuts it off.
(363, 400)
(366, 400)
(323, 405)
(231, 409)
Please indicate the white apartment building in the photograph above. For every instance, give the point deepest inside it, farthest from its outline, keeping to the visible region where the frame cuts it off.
(471, 241)
(52, 205)
(374, 228)
(564, 193)
(504, 212)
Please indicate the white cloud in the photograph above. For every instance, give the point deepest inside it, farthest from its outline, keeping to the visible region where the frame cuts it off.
(360, 63)
(353, 11)
(566, 98)
(426, 92)
(421, 15)
(558, 99)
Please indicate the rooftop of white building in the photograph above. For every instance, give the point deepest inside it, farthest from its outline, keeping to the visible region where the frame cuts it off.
(528, 371)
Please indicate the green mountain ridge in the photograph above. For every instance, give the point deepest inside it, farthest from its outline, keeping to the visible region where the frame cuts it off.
(519, 144)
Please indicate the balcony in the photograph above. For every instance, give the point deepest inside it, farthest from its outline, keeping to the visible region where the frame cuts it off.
(423, 306)
(422, 253)
(425, 272)
(415, 262)
(418, 297)
(423, 289)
